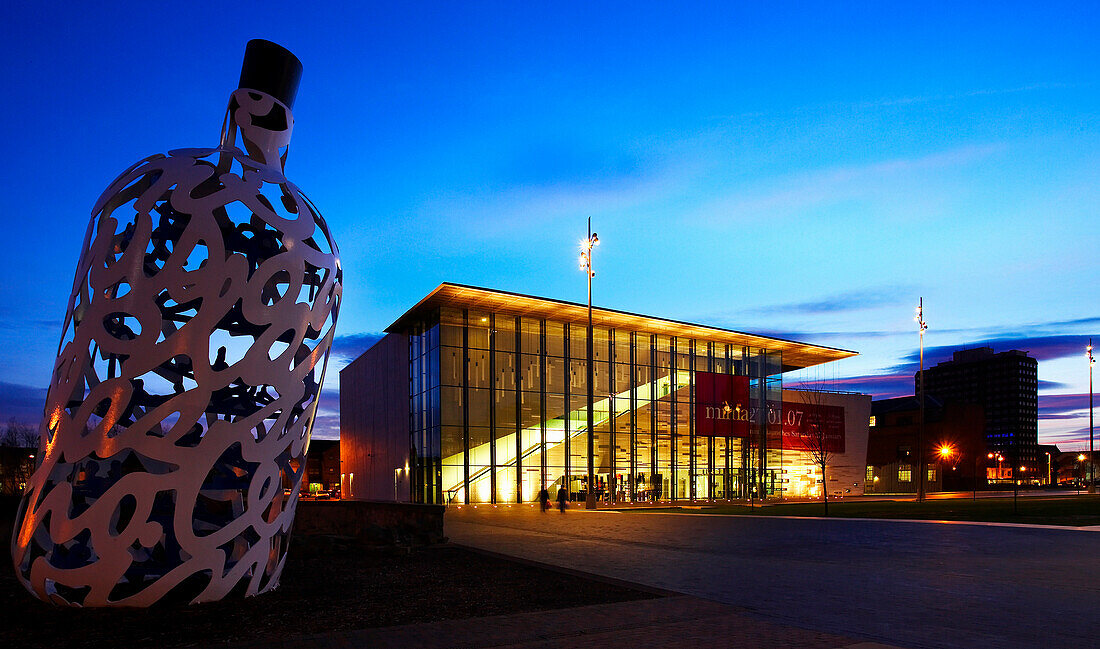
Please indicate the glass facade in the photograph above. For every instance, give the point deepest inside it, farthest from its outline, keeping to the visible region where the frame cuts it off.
(499, 410)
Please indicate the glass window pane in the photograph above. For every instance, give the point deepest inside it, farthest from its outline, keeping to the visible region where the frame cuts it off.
(642, 343)
(478, 407)
(532, 333)
(505, 370)
(450, 329)
(623, 380)
(528, 372)
(450, 372)
(451, 445)
(504, 333)
(555, 375)
(578, 341)
(478, 361)
(505, 403)
(622, 346)
(578, 376)
(600, 344)
(555, 342)
(479, 329)
(531, 409)
(451, 406)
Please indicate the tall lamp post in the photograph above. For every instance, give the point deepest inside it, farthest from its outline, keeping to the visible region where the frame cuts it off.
(920, 433)
(586, 265)
(1092, 361)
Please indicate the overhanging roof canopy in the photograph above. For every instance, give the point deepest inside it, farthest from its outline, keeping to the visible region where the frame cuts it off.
(796, 355)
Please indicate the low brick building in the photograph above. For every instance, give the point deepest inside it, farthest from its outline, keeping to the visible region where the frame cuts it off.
(955, 455)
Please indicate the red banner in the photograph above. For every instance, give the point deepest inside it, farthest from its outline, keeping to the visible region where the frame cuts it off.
(722, 406)
(809, 427)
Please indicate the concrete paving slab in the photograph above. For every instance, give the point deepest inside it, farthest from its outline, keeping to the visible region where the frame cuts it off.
(903, 584)
(662, 623)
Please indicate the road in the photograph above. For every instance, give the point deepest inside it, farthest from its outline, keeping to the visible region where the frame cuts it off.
(910, 584)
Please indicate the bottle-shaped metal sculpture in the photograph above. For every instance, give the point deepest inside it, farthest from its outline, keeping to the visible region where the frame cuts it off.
(189, 370)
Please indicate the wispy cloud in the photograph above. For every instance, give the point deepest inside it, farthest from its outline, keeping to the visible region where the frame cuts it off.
(1053, 405)
(816, 336)
(879, 386)
(1001, 338)
(848, 301)
(1076, 322)
(351, 346)
(911, 100)
(560, 195)
(22, 403)
(326, 426)
(981, 92)
(881, 180)
(1043, 348)
(1066, 438)
(40, 325)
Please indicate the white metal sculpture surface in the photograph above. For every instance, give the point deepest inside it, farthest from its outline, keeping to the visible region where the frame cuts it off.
(187, 380)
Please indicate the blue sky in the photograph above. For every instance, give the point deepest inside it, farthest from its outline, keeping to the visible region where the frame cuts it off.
(809, 170)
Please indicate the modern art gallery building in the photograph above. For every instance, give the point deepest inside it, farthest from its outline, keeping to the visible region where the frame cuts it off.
(481, 396)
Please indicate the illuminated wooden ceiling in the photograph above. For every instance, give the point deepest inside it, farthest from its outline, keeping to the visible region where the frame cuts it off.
(796, 355)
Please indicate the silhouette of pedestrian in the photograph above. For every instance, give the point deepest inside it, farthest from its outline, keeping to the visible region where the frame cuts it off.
(544, 500)
(563, 497)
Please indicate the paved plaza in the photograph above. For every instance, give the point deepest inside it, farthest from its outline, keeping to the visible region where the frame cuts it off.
(909, 584)
(664, 623)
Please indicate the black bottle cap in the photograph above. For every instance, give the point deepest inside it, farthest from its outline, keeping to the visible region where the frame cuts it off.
(272, 69)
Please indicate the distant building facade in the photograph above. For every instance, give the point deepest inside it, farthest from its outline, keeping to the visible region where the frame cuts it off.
(1047, 466)
(1072, 468)
(955, 454)
(323, 465)
(1006, 385)
(321, 475)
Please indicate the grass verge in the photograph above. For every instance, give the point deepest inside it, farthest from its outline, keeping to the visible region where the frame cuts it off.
(329, 584)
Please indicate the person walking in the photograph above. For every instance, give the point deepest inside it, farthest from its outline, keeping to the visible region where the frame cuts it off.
(563, 498)
(544, 500)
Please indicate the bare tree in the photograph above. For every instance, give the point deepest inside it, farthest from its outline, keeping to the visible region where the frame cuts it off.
(18, 446)
(814, 435)
(19, 435)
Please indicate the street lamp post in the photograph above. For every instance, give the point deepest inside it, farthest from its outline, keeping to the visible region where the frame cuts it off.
(1092, 361)
(920, 434)
(586, 265)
